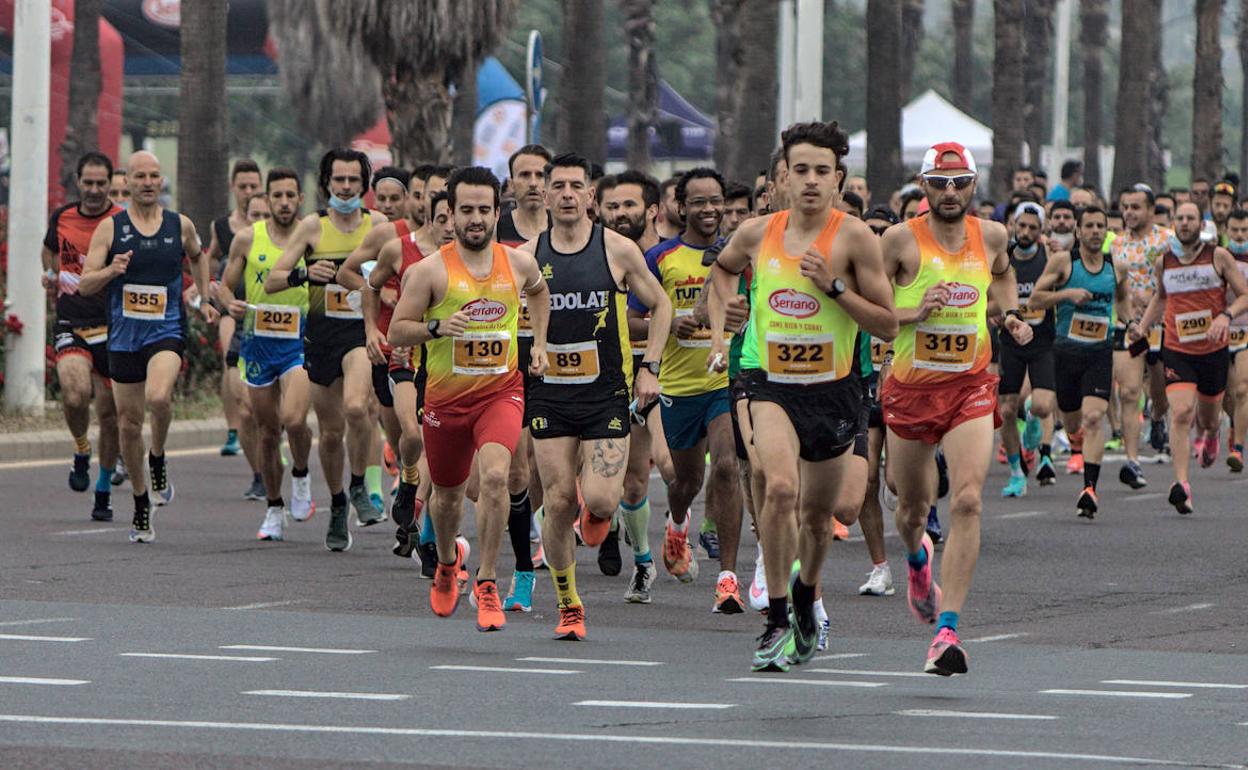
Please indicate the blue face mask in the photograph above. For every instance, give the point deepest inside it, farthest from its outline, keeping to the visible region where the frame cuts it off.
(1175, 245)
(1026, 251)
(349, 206)
(1238, 248)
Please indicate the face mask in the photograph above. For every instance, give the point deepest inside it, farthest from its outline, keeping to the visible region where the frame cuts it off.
(1063, 240)
(1238, 248)
(1026, 251)
(1175, 245)
(349, 206)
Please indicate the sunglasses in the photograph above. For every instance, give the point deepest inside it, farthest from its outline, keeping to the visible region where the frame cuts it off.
(960, 182)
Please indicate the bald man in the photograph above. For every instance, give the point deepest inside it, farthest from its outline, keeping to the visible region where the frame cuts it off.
(136, 258)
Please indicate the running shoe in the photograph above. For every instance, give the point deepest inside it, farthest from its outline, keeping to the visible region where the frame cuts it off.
(379, 503)
(535, 530)
(839, 531)
(639, 588)
(103, 508)
(255, 491)
(758, 586)
(1086, 505)
(888, 498)
(805, 632)
(338, 536)
(1114, 444)
(231, 446)
(1015, 487)
(946, 657)
(1181, 497)
(444, 593)
(1235, 460)
(80, 473)
(404, 515)
(822, 644)
(463, 549)
(367, 513)
(141, 529)
(1158, 436)
(1001, 457)
(1032, 433)
(594, 531)
(609, 562)
(1209, 452)
(539, 558)
(678, 556)
(389, 460)
(709, 540)
(490, 615)
(271, 528)
(120, 475)
(1132, 475)
(301, 505)
(933, 526)
(162, 487)
(728, 596)
(428, 553)
(520, 597)
(775, 645)
(923, 594)
(1045, 473)
(571, 626)
(942, 474)
(1074, 465)
(879, 582)
(1025, 460)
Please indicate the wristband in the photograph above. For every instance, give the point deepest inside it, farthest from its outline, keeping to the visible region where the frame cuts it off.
(1228, 315)
(297, 277)
(1016, 313)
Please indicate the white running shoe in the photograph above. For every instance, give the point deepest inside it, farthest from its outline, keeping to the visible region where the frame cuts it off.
(758, 586)
(301, 505)
(888, 499)
(274, 521)
(879, 582)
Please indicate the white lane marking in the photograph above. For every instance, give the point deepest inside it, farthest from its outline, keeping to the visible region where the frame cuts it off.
(651, 740)
(339, 695)
(1022, 515)
(35, 621)
(1119, 693)
(842, 656)
(41, 680)
(592, 661)
(179, 656)
(320, 650)
(996, 638)
(820, 682)
(89, 531)
(1186, 608)
(971, 714)
(22, 464)
(507, 669)
(864, 672)
(649, 704)
(28, 638)
(1163, 683)
(266, 605)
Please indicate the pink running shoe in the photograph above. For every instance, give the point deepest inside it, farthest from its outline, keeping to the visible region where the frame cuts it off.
(946, 657)
(923, 593)
(1209, 452)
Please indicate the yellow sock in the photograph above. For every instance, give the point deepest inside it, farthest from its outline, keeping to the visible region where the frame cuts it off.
(565, 585)
(82, 445)
(411, 474)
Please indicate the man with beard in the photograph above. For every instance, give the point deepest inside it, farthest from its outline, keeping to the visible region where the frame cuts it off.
(271, 350)
(738, 207)
(463, 304)
(1191, 296)
(668, 224)
(1220, 206)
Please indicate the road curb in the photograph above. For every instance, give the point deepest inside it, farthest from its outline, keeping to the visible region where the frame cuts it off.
(51, 444)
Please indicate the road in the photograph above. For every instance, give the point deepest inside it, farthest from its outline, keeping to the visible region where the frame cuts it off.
(1118, 642)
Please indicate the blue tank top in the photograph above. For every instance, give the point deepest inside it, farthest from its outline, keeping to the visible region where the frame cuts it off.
(1090, 325)
(145, 304)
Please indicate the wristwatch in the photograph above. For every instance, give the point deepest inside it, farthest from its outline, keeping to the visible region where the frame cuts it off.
(433, 328)
(838, 288)
(653, 366)
(1016, 313)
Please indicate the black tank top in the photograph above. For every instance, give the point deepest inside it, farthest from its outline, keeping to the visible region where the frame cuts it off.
(225, 237)
(1027, 273)
(507, 234)
(587, 338)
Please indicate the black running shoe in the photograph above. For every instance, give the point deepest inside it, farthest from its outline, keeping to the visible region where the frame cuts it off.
(80, 474)
(609, 555)
(1132, 475)
(428, 553)
(1158, 436)
(403, 511)
(103, 510)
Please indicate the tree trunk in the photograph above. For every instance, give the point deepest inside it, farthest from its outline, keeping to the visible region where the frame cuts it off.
(1007, 95)
(756, 117)
(911, 40)
(82, 124)
(464, 117)
(1093, 37)
(1207, 92)
(729, 64)
(581, 118)
(1155, 159)
(643, 80)
(202, 155)
(1133, 114)
(884, 29)
(963, 61)
(1038, 30)
(419, 110)
(1242, 30)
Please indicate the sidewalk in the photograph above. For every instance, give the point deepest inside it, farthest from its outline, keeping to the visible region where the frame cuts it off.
(53, 444)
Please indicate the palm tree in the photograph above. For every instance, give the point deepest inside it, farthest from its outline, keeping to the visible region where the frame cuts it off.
(756, 117)
(1093, 35)
(1159, 89)
(581, 117)
(1242, 31)
(643, 80)
(1038, 30)
(1207, 92)
(729, 62)
(884, 30)
(202, 156)
(1007, 94)
(1133, 124)
(963, 45)
(82, 123)
(911, 40)
(464, 117)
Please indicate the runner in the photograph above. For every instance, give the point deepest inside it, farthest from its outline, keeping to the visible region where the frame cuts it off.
(391, 193)
(798, 369)
(1088, 292)
(136, 255)
(578, 413)
(81, 330)
(1191, 296)
(463, 304)
(119, 189)
(945, 267)
(271, 350)
(1237, 385)
(334, 344)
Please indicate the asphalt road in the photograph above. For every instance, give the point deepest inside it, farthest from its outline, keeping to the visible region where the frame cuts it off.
(1117, 642)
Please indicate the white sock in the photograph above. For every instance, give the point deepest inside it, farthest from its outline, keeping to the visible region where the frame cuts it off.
(821, 614)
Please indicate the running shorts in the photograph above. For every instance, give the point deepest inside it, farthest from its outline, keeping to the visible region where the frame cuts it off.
(453, 434)
(402, 374)
(927, 412)
(826, 417)
(585, 420)
(1017, 363)
(130, 367)
(324, 361)
(1206, 372)
(1084, 373)
(264, 363)
(381, 385)
(685, 421)
(91, 342)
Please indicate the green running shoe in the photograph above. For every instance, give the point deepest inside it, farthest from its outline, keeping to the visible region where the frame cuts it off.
(338, 536)
(775, 647)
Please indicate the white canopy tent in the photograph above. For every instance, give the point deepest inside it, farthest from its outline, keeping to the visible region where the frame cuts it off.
(925, 121)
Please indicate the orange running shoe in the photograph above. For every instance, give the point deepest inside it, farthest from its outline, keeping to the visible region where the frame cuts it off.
(593, 529)
(571, 626)
(390, 460)
(677, 555)
(839, 531)
(1075, 464)
(489, 607)
(444, 593)
(728, 596)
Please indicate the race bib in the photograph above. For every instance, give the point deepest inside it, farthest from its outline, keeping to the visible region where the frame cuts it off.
(879, 352)
(946, 347)
(1033, 316)
(1154, 339)
(1193, 326)
(1238, 338)
(700, 339)
(93, 335)
(572, 364)
(481, 353)
(338, 303)
(1088, 328)
(143, 303)
(277, 321)
(524, 324)
(799, 358)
